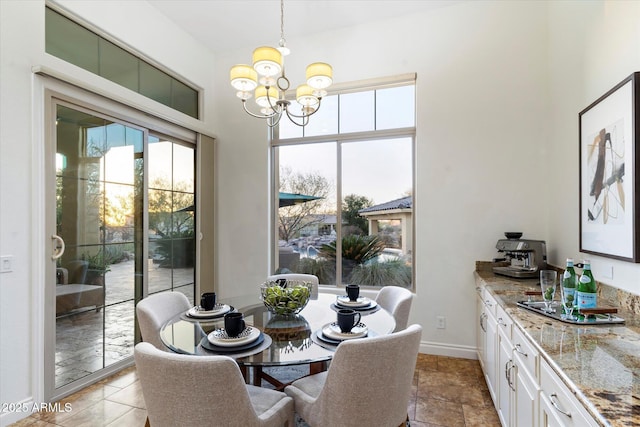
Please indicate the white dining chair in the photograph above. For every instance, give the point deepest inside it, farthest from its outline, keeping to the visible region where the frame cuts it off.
(367, 384)
(397, 301)
(153, 311)
(185, 390)
(302, 277)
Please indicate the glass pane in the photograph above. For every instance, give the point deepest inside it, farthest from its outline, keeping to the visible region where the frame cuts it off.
(395, 107)
(287, 129)
(96, 208)
(118, 65)
(377, 212)
(183, 168)
(184, 99)
(325, 120)
(71, 42)
(357, 112)
(160, 161)
(155, 84)
(307, 212)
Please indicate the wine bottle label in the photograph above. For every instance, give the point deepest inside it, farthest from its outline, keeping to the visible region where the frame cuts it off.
(586, 300)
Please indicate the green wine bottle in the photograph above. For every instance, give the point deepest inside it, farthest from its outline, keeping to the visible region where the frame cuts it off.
(569, 284)
(586, 294)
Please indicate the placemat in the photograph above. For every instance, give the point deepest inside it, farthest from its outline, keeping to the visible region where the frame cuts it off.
(236, 355)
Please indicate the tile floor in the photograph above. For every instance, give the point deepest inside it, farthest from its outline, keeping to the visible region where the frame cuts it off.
(446, 392)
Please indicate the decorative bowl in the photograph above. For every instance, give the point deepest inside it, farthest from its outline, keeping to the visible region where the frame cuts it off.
(285, 298)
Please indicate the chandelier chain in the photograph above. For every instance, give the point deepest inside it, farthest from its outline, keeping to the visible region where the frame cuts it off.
(283, 42)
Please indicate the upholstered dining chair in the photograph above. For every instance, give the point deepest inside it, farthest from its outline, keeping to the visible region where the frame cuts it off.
(397, 301)
(153, 311)
(186, 390)
(303, 277)
(367, 384)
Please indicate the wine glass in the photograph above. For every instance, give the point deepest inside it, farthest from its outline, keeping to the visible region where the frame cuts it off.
(568, 296)
(548, 287)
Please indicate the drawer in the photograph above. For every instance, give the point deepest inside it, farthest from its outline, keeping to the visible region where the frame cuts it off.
(504, 322)
(527, 356)
(564, 406)
(489, 303)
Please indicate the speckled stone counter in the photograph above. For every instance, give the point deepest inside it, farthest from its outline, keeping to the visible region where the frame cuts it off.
(599, 364)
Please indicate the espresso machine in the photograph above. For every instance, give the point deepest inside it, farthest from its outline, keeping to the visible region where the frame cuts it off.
(526, 257)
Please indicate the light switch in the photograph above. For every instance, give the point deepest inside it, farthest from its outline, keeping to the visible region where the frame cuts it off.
(6, 263)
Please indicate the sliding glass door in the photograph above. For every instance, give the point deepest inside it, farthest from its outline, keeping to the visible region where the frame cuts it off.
(124, 211)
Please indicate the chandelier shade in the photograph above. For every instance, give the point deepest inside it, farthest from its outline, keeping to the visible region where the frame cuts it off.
(319, 75)
(267, 61)
(243, 78)
(266, 97)
(305, 96)
(267, 69)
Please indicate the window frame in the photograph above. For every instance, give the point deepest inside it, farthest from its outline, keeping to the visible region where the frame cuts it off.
(339, 139)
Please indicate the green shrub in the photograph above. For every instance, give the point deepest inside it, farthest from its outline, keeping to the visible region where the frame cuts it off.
(380, 274)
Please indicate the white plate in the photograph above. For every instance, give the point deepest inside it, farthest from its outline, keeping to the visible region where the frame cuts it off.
(333, 331)
(219, 337)
(361, 302)
(197, 311)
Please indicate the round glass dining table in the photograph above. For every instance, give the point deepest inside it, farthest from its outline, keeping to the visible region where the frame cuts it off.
(291, 336)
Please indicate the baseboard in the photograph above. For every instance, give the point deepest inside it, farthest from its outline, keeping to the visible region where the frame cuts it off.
(11, 413)
(450, 350)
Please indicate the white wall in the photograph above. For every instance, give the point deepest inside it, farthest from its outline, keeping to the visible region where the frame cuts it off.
(21, 151)
(595, 46)
(482, 100)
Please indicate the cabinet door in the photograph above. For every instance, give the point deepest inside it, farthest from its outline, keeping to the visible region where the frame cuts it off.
(505, 380)
(481, 329)
(526, 397)
(491, 356)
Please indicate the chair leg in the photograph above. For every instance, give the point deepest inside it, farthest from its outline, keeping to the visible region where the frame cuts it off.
(146, 423)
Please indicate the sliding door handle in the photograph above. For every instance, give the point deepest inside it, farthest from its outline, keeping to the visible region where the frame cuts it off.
(58, 246)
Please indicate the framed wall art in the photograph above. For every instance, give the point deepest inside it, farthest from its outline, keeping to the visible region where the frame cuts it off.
(609, 156)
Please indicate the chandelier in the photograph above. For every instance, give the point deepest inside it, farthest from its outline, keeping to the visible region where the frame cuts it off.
(267, 79)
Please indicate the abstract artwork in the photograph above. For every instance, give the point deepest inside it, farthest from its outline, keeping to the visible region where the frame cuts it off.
(608, 187)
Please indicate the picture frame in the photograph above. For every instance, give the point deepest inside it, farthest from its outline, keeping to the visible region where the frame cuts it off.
(609, 155)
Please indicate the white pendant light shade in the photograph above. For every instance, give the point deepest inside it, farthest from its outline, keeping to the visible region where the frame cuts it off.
(305, 96)
(267, 61)
(319, 75)
(261, 96)
(243, 78)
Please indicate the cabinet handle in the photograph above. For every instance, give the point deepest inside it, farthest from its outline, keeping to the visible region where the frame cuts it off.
(501, 322)
(488, 303)
(554, 402)
(519, 350)
(483, 316)
(507, 373)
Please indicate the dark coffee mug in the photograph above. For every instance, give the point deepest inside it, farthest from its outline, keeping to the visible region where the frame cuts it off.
(347, 319)
(208, 300)
(234, 324)
(353, 292)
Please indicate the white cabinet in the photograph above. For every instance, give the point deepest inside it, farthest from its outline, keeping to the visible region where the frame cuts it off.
(558, 406)
(487, 339)
(504, 403)
(525, 381)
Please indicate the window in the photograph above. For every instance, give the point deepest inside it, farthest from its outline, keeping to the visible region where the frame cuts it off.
(345, 186)
(75, 44)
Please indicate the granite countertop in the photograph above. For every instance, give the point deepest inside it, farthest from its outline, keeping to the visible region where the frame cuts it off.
(599, 364)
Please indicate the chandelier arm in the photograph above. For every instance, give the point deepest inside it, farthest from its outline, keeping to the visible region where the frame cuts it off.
(305, 115)
(258, 116)
(293, 117)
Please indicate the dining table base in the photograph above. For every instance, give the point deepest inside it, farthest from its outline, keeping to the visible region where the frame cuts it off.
(259, 374)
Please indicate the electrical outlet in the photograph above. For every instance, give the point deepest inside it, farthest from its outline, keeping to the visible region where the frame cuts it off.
(441, 322)
(607, 271)
(6, 263)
